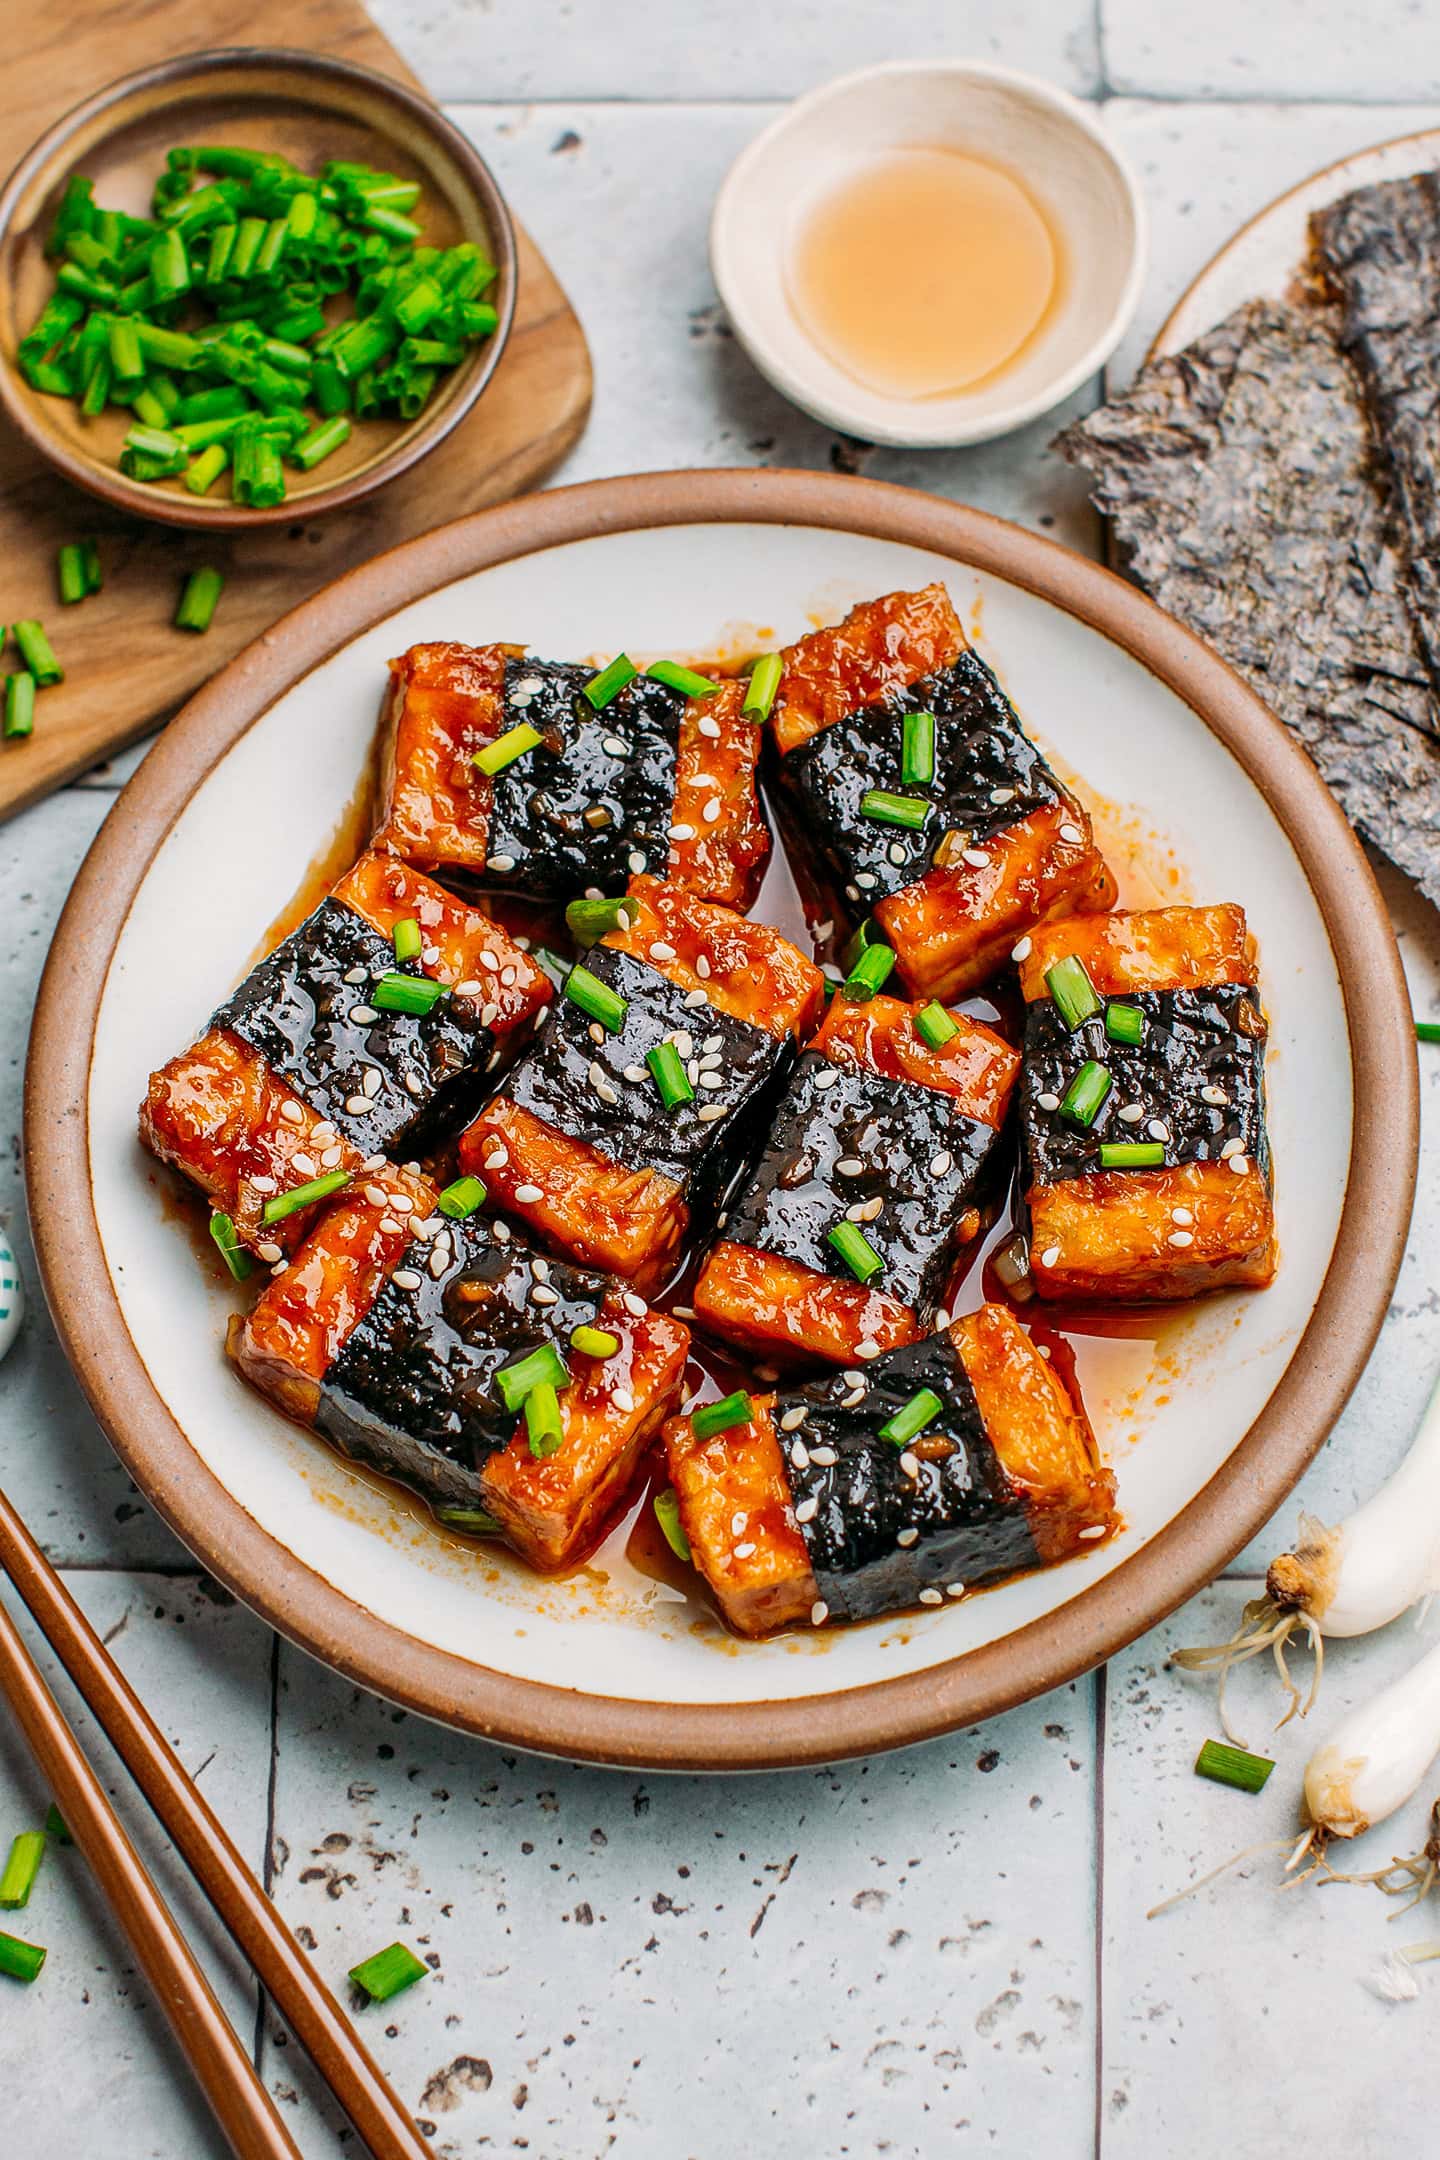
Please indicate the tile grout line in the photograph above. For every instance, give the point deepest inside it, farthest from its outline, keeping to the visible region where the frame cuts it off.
(267, 1872)
(1101, 1701)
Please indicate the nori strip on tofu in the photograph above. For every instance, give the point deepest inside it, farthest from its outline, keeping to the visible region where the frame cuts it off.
(981, 750)
(1193, 1039)
(553, 1081)
(413, 1390)
(294, 1007)
(539, 827)
(971, 1523)
(897, 1130)
(1381, 249)
(1240, 479)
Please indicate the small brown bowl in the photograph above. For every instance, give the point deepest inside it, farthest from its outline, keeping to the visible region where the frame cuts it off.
(309, 109)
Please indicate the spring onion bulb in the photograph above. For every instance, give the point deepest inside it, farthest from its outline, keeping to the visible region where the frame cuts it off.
(1348, 1580)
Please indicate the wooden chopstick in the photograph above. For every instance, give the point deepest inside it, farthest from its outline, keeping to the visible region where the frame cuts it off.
(299, 1994)
(243, 2108)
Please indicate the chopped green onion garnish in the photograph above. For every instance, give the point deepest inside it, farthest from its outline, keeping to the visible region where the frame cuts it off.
(19, 705)
(321, 442)
(232, 1252)
(912, 1417)
(917, 749)
(667, 1070)
(683, 679)
(388, 1972)
(543, 1364)
(36, 652)
(868, 934)
(1132, 1154)
(667, 1514)
(764, 682)
(609, 682)
(90, 557)
(718, 1417)
(17, 1878)
(197, 601)
(1082, 1101)
(554, 964)
(206, 469)
(855, 1249)
(418, 994)
(1427, 1030)
(1233, 1766)
(461, 1199)
(594, 1342)
(506, 748)
(407, 940)
(473, 1519)
(542, 1420)
(1124, 1023)
(301, 1196)
(888, 809)
(590, 920)
(869, 972)
(55, 1826)
(596, 998)
(934, 1025)
(21, 1960)
(1075, 996)
(70, 573)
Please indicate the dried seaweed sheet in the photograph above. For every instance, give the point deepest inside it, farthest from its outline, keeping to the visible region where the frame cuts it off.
(1240, 479)
(1380, 248)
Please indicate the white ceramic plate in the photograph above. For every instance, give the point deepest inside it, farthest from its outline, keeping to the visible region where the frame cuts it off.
(205, 849)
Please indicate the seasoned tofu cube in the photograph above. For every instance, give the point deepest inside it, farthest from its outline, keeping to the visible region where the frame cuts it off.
(874, 1183)
(909, 785)
(1147, 1164)
(952, 1462)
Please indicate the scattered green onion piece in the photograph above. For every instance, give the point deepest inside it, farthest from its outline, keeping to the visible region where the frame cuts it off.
(90, 560)
(764, 682)
(514, 743)
(461, 1198)
(667, 1514)
(419, 306)
(391, 223)
(149, 409)
(36, 653)
(263, 482)
(290, 359)
(303, 1196)
(19, 706)
(53, 379)
(388, 1972)
(407, 939)
(594, 1342)
(554, 964)
(302, 216)
(414, 994)
(224, 401)
(169, 348)
(1075, 996)
(911, 1419)
(935, 1026)
(17, 1878)
(596, 998)
(127, 362)
(1124, 1023)
(718, 1417)
(206, 469)
(329, 389)
(321, 442)
(1132, 1154)
(197, 601)
(169, 267)
(222, 247)
(272, 247)
(1427, 1030)
(607, 685)
(589, 920)
(868, 934)
(543, 1428)
(888, 809)
(56, 1826)
(75, 214)
(917, 749)
(683, 679)
(1233, 1766)
(472, 1519)
(1084, 1098)
(227, 1243)
(855, 1249)
(70, 574)
(21, 1960)
(543, 1364)
(869, 973)
(97, 389)
(414, 392)
(667, 1070)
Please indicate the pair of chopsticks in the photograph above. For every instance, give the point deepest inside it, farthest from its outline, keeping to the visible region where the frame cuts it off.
(242, 2106)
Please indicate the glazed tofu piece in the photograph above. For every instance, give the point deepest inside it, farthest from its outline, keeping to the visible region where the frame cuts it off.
(947, 1464)
(582, 1144)
(914, 794)
(874, 1182)
(388, 1332)
(651, 782)
(298, 1076)
(1146, 1161)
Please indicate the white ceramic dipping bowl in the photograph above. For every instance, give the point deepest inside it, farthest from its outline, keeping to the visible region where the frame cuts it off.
(1047, 140)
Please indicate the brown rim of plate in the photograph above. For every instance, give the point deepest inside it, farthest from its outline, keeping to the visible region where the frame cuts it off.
(1186, 1555)
(413, 442)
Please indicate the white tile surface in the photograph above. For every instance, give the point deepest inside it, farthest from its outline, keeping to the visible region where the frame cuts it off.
(1338, 50)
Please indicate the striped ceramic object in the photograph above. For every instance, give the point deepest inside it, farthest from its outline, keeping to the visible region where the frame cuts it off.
(12, 1293)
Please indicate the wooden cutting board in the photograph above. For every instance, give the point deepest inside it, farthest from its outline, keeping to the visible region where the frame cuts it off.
(126, 666)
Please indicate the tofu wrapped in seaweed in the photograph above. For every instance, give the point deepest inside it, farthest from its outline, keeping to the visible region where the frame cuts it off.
(569, 796)
(912, 790)
(314, 1066)
(413, 1341)
(1147, 1166)
(650, 1086)
(885, 1147)
(949, 1463)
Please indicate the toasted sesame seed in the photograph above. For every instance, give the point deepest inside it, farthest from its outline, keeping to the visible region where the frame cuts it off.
(683, 1312)
(439, 1259)
(1047, 1101)
(606, 1093)
(702, 967)
(377, 1196)
(496, 1159)
(907, 1537)
(825, 1456)
(363, 1016)
(542, 1294)
(807, 1510)
(896, 853)
(910, 1464)
(711, 811)
(636, 861)
(373, 1163)
(540, 1269)
(501, 1232)
(823, 930)
(743, 1552)
(850, 1166)
(1158, 1129)
(622, 1398)
(1239, 1164)
(270, 1252)
(737, 1522)
(356, 975)
(708, 1112)
(279, 1267)
(292, 1113)
(615, 746)
(1073, 834)
(303, 1163)
(867, 1347)
(1131, 1113)
(405, 1278)
(1002, 794)
(976, 857)
(635, 1306)
(262, 1184)
(526, 1194)
(661, 951)
(852, 892)
(1181, 1215)
(942, 1164)
(799, 1454)
(855, 1397)
(854, 1379)
(708, 1079)
(468, 989)
(1095, 1530)
(597, 1033)
(709, 727)
(321, 1131)
(684, 1042)
(954, 1589)
(1180, 1238)
(1231, 1147)
(694, 999)
(412, 1084)
(501, 863)
(865, 879)
(332, 1158)
(942, 1320)
(429, 954)
(371, 1081)
(1214, 1095)
(1022, 950)
(791, 1419)
(596, 1073)
(1050, 1255)
(388, 1226)
(819, 1613)
(682, 832)
(826, 1077)
(528, 688)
